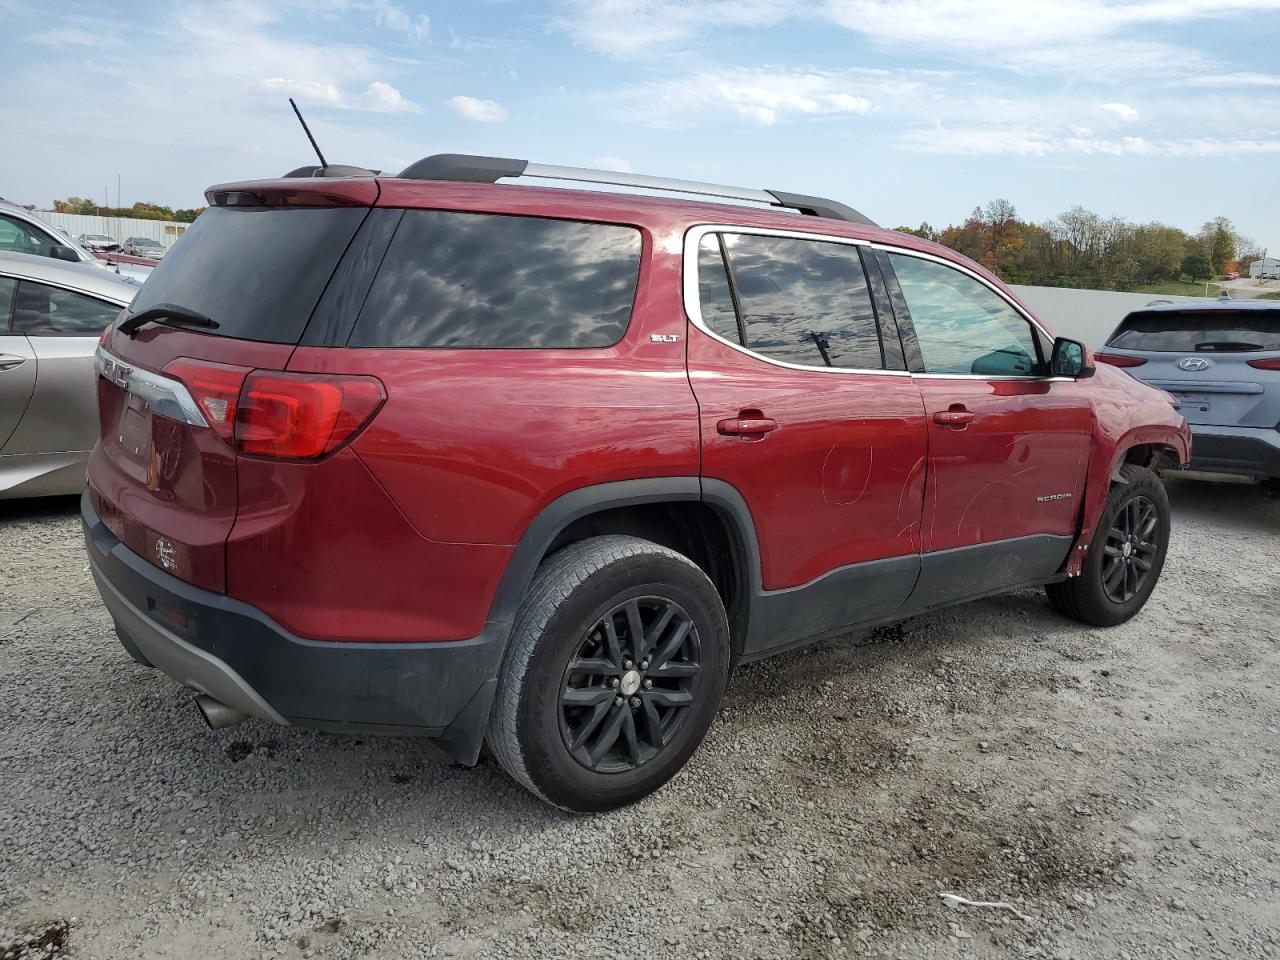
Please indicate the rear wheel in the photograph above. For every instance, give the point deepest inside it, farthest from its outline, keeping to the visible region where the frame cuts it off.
(619, 657)
(1125, 557)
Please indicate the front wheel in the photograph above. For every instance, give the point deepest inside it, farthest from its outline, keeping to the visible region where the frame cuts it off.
(1125, 557)
(619, 657)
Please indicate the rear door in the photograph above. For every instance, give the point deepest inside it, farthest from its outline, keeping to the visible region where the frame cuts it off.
(811, 419)
(1008, 444)
(17, 366)
(1209, 359)
(62, 328)
(164, 474)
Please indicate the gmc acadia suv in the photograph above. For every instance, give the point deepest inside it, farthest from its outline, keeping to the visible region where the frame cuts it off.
(534, 467)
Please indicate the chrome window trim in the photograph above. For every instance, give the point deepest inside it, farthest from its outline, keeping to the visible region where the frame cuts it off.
(693, 303)
(166, 396)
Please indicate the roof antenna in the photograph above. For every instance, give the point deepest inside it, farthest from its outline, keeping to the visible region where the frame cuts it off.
(307, 130)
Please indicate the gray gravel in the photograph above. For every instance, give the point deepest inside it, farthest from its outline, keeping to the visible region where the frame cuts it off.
(1117, 788)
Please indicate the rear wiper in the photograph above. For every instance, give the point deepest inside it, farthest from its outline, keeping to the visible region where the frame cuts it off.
(171, 312)
(1241, 345)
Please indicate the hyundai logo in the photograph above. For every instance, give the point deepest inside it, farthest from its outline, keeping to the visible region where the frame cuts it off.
(1193, 363)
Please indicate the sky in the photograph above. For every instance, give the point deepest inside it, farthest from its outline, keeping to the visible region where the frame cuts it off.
(909, 110)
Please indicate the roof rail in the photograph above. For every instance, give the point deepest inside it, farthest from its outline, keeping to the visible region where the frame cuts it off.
(476, 169)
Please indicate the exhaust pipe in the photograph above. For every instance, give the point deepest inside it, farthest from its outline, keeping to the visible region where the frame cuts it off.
(217, 714)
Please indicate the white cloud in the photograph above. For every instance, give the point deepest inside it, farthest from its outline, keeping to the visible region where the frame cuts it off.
(392, 16)
(377, 97)
(764, 96)
(616, 164)
(473, 108)
(1236, 80)
(1121, 111)
(632, 28)
(980, 141)
(74, 37)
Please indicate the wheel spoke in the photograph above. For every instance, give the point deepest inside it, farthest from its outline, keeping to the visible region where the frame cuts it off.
(1112, 577)
(668, 698)
(659, 627)
(635, 628)
(673, 644)
(613, 648)
(1110, 551)
(677, 670)
(629, 738)
(608, 735)
(591, 724)
(1141, 563)
(1130, 580)
(587, 696)
(591, 665)
(650, 723)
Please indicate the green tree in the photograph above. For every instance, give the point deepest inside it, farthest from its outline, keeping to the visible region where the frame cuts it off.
(1197, 266)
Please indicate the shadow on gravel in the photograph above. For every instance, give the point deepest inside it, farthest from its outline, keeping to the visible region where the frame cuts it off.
(1233, 503)
(39, 508)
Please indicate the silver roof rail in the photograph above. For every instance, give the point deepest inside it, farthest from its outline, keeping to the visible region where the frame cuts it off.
(477, 169)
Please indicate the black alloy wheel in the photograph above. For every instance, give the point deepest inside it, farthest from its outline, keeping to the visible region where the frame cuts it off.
(1130, 549)
(629, 685)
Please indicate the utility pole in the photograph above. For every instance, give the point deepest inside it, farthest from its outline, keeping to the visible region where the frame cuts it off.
(117, 189)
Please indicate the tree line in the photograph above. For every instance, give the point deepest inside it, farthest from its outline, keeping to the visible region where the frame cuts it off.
(1082, 249)
(140, 210)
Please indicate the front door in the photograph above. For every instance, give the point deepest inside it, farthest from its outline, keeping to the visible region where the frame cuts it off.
(808, 414)
(1008, 444)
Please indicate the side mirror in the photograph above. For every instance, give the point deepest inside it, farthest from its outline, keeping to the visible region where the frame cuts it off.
(1070, 359)
(60, 252)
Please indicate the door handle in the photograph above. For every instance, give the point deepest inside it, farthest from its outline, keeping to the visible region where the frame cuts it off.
(746, 426)
(8, 361)
(956, 417)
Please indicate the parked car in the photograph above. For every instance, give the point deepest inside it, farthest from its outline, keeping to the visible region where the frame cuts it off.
(143, 247)
(21, 231)
(99, 242)
(51, 315)
(1221, 360)
(534, 467)
(1233, 275)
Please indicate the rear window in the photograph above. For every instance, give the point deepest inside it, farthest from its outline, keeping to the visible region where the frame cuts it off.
(256, 272)
(1199, 330)
(486, 280)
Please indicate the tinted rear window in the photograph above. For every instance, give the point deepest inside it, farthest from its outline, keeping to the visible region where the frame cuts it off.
(1203, 330)
(256, 272)
(484, 280)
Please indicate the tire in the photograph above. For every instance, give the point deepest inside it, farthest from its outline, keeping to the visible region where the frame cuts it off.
(1093, 597)
(583, 598)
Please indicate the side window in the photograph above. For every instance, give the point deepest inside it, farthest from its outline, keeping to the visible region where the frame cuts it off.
(42, 310)
(7, 286)
(19, 237)
(804, 301)
(962, 325)
(486, 280)
(715, 298)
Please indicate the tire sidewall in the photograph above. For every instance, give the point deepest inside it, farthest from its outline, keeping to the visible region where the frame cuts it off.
(555, 772)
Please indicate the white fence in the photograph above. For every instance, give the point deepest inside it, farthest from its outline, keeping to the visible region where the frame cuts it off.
(1089, 316)
(117, 228)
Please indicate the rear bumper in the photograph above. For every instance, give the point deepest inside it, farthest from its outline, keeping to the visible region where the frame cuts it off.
(236, 654)
(1253, 451)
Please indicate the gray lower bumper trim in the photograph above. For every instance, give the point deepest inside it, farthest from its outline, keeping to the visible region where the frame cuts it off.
(187, 664)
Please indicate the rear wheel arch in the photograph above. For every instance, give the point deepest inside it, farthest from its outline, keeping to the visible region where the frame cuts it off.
(705, 520)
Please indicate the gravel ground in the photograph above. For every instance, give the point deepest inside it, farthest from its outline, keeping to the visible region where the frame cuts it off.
(1117, 788)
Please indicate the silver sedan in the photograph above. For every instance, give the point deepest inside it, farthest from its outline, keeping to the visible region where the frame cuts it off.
(51, 315)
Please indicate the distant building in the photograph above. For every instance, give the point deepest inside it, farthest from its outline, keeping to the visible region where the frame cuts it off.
(1267, 266)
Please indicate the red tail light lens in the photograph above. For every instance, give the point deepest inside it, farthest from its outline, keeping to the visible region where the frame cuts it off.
(1270, 364)
(303, 416)
(215, 388)
(1119, 360)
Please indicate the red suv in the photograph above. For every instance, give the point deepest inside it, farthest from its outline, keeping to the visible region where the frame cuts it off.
(535, 467)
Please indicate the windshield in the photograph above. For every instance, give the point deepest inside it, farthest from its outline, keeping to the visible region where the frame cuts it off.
(1204, 331)
(144, 242)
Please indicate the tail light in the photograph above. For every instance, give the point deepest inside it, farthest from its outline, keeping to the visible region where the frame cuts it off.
(265, 413)
(215, 387)
(303, 416)
(1119, 359)
(1270, 364)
